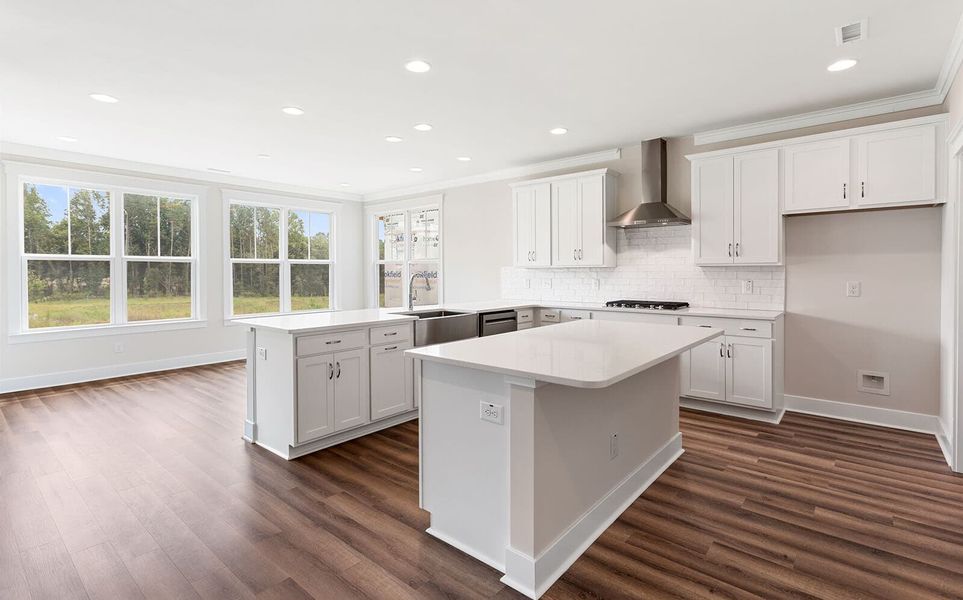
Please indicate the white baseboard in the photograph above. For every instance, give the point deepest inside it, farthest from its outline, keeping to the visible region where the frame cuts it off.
(755, 414)
(472, 552)
(869, 415)
(332, 440)
(18, 384)
(533, 577)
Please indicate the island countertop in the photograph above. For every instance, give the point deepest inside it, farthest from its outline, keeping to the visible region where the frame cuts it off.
(321, 321)
(582, 354)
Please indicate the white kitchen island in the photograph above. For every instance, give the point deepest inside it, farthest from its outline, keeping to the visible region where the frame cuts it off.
(533, 442)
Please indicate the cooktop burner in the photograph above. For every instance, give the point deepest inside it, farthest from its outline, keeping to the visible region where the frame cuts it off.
(653, 304)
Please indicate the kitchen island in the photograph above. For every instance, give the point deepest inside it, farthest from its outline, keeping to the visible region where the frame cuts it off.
(532, 443)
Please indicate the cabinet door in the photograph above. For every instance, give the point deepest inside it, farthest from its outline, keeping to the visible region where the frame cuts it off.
(542, 236)
(756, 218)
(817, 176)
(351, 406)
(749, 371)
(704, 371)
(712, 242)
(315, 402)
(524, 198)
(565, 223)
(896, 167)
(391, 381)
(591, 192)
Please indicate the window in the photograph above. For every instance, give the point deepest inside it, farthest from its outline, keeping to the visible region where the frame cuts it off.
(82, 266)
(408, 253)
(277, 269)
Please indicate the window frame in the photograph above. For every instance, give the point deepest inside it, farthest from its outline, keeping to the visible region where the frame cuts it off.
(285, 205)
(116, 186)
(408, 207)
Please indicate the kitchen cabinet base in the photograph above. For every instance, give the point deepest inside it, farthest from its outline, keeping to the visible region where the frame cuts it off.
(292, 452)
(755, 414)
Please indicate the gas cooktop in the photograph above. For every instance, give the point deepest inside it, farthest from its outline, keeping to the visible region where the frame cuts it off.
(652, 304)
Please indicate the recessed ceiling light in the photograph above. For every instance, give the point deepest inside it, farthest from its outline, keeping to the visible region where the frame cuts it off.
(393, 139)
(345, 184)
(66, 138)
(842, 65)
(294, 111)
(416, 169)
(558, 131)
(423, 127)
(464, 158)
(104, 98)
(264, 156)
(213, 170)
(418, 66)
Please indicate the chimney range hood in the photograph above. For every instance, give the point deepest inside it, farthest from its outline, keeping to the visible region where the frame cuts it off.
(653, 211)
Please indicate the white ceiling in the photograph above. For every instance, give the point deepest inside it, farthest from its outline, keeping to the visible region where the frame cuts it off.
(201, 82)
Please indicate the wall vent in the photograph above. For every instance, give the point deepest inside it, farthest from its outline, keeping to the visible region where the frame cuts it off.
(873, 382)
(854, 32)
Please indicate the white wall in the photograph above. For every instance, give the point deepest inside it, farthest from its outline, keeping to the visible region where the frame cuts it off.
(30, 364)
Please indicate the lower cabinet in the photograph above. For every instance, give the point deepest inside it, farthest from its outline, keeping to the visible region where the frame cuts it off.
(392, 381)
(332, 393)
(730, 369)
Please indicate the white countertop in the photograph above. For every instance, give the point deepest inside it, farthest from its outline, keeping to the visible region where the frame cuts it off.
(732, 313)
(584, 354)
(308, 322)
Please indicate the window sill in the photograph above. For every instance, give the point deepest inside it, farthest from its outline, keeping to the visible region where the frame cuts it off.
(102, 330)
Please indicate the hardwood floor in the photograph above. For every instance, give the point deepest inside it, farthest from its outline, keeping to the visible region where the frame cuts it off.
(142, 487)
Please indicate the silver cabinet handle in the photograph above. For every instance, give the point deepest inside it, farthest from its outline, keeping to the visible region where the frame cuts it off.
(329, 342)
(729, 350)
(580, 254)
(705, 326)
(330, 371)
(390, 348)
(339, 370)
(722, 350)
(748, 328)
(737, 248)
(844, 191)
(391, 333)
(730, 250)
(574, 254)
(862, 189)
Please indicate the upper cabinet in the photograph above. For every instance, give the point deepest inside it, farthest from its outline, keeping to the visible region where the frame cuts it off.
(735, 209)
(817, 176)
(896, 167)
(561, 221)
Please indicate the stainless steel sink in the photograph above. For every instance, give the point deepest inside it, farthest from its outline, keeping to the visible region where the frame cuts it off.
(440, 326)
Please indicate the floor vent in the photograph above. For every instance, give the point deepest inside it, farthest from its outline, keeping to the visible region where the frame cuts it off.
(854, 32)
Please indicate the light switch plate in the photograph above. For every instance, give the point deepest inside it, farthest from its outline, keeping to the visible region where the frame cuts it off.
(746, 286)
(262, 353)
(854, 289)
(493, 413)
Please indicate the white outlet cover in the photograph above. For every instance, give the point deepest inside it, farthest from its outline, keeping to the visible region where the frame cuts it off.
(545, 284)
(493, 413)
(746, 286)
(595, 284)
(854, 289)
(262, 353)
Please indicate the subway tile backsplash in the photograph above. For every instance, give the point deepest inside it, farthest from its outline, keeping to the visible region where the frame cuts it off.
(653, 264)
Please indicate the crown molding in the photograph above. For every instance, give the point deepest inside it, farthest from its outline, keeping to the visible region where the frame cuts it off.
(500, 175)
(921, 99)
(23, 153)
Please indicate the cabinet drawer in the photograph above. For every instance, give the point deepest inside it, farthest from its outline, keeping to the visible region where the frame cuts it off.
(741, 327)
(547, 316)
(391, 333)
(526, 315)
(522, 326)
(574, 315)
(331, 342)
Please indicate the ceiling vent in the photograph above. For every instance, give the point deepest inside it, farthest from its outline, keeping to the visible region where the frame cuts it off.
(854, 32)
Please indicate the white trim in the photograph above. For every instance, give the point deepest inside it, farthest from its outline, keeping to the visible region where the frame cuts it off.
(109, 372)
(499, 175)
(533, 576)
(946, 447)
(434, 532)
(754, 414)
(869, 415)
(293, 452)
(920, 99)
(39, 155)
(51, 334)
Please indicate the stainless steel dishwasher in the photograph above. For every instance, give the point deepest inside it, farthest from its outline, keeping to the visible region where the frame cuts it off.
(493, 323)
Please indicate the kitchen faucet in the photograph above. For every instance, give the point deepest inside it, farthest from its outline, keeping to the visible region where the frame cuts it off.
(411, 287)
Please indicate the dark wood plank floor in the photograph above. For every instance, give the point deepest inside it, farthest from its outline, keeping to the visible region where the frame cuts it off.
(142, 487)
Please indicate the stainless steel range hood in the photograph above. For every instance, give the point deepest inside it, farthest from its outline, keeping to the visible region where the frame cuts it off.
(653, 211)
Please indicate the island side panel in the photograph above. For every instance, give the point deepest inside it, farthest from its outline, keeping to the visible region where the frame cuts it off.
(274, 393)
(464, 460)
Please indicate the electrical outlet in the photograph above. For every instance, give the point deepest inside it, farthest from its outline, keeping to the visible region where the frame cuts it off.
(118, 348)
(746, 286)
(545, 284)
(262, 352)
(595, 284)
(613, 446)
(854, 289)
(490, 412)
(528, 283)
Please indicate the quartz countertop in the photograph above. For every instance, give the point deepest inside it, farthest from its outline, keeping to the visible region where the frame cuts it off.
(320, 321)
(583, 354)
(692, 311)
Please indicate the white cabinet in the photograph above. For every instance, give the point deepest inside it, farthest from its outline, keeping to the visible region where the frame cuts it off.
(533, 224)
(561, 221)
(704, 371)
(732, 369)
(735, 209)
(315, 404)
(392, 381)
(817, 176)
(567, 315)
(351, 405)
(896, 167)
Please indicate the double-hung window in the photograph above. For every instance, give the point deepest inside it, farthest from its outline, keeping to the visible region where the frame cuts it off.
(407, 256)
(94, 254)
(281, 258)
